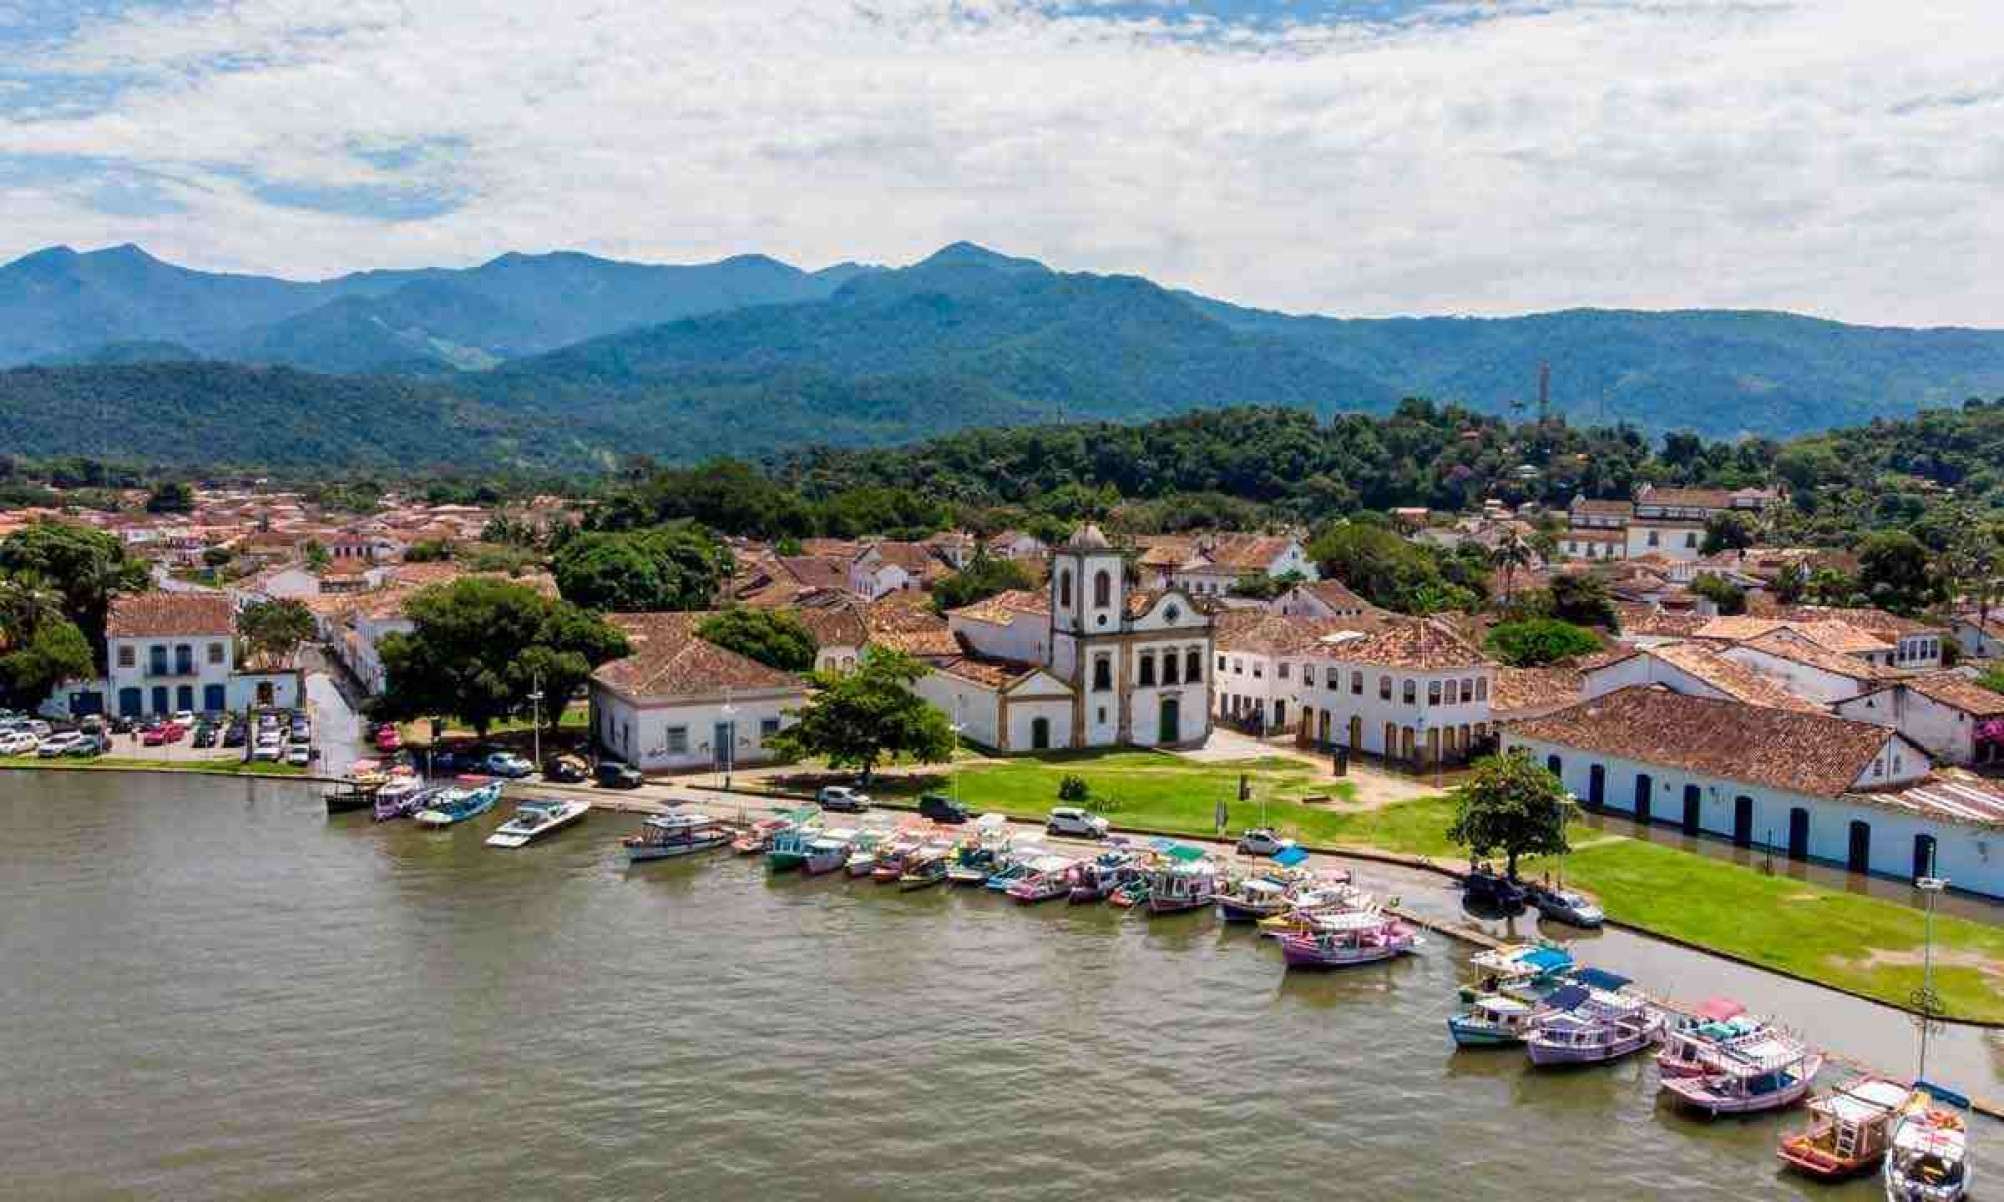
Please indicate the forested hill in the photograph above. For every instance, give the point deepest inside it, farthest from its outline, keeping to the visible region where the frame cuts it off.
(569, 361)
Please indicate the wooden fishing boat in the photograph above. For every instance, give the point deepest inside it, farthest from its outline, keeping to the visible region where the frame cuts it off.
(1130, 893)
(759, 835)
(1927, 1153)
(893, 854)
(1306, 905)
(1716, 1022)
(927, 868)
(1251, 899)
(828, 851)
(788, 849)
(672, 835)
(863, 853)
(1346, 939)
(1850, 1131)
(1092, 880)
(1185, 880)
(1048, 877)
(399, 797)
(472, 797)
(1592, 1019)
(1491, 1021)
(1524, 971)
(535, 820)
(1770, 1071)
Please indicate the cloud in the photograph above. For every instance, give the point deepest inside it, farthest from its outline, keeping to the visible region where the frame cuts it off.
(1831, 156)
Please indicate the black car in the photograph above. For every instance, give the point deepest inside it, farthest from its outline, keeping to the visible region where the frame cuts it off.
(563, 770)
(123, 725)
(205, 735)
(941, 808)
(235, 735)
(1486, 889)
(612, 774)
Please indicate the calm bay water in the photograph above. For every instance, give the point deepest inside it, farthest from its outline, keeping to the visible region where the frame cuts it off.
(210, 989)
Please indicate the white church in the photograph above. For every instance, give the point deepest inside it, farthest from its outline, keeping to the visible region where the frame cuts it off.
(1089, 662)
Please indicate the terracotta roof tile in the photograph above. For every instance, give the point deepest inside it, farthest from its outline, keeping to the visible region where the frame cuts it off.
(1735, 680)
(1423, 644)
(670, 660)
(904, 621)
(1958, 691)
(1808, 753)
(1529, 692)
(1007, 608)
(1262, 632)
(144, 615)
(1797, 647)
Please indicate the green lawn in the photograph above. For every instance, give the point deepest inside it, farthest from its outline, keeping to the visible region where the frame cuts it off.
(574, 718)
(114, 763)
(1812, 931)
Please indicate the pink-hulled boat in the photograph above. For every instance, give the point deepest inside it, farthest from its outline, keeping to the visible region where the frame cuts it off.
(1186, 882)
(1715, 1022)
(1049, 877)
(1766, 1072)
(1341, 939)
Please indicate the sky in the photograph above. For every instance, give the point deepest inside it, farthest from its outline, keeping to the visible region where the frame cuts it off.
(1351, 157)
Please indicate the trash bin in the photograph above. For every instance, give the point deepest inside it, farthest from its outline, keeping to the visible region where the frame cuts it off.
(1340, 762)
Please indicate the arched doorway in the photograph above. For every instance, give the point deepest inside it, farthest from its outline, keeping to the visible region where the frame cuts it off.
(1694, 809)
(1391, 751)
(1645, 788)
(1356, 732)
(1859, 859)
(1433, 746)
(1743, 821)
(1323, 728)
(1798, 834)
(1172, 721)
(1040, 734)
(1923, 856)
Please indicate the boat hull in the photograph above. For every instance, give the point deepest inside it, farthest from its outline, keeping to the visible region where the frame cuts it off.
(785, 861)
(1234, 910)
(1556, 1054)
(348, 803)
(1177, 905)
(1692, 1093)
(643, 853)
(1481, 1035)
(507, 838)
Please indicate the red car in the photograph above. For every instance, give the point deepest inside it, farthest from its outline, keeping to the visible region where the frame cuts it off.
(387, 738)
(173, 732)
(153, 735)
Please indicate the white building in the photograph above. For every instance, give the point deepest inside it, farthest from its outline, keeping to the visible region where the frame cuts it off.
(1411, 689)
(1321, 599)
(1981, 637)
(680, 703)
(1219, 561)
(1089, 663)
(1942, 711)
(170, 652)
(1805, 785)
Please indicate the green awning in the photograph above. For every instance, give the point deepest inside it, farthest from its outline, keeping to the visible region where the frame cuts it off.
(1187, 853)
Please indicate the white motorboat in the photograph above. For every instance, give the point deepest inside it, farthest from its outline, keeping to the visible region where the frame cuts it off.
(535, 819)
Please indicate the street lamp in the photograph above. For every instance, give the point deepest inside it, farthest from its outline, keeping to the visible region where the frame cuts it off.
(730, 739)
(1925, 1001)
(953, 762)
(536, 721)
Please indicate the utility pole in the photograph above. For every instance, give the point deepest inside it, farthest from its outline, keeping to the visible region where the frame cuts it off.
(1926, 1001)
(536, 720)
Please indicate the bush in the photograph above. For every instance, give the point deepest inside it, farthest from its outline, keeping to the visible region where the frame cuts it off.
(1073, 788)
(1538, 641)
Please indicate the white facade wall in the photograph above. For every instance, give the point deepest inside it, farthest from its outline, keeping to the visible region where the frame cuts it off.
(1804, 680)
(1671, 540)
(836, 658)
(1335, 690)
(1023, 640)
(644, 733)
(1647, 669)
(975, 707)
(1948, 734)
(1975, 643)
(1023, 716)
(1972, 857)
(875, 578)
(249, 689)
(140, 684)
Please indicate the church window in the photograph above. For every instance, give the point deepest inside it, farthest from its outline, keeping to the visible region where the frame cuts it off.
(1308, 674)
(1102, 590)
(1146, 677)
(1281, 671)
(1102, 674)
(1169, 666)
(1065, 589)
(1193, 666)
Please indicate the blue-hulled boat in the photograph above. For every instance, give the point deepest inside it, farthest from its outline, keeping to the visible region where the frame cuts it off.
(1491, 1021)
(455, 805)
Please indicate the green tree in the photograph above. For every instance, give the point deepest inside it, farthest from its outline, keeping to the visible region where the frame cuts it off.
(984, 576)
(54, 652)
(478, 646)
(172, 496)
(1790, 583)
(315, 554)
(216, 557)
(676, 567)
(1513, 554)
(428, 550)
(1894, 573)
(1730, 598)
(856, 719)
(1582, 599)
(272, 629)
(85, 567)
(1539, 641)
(1510, 805)
(773, 637)
(1728, 531)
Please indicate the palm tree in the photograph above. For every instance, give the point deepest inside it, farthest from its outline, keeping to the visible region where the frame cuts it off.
(1511, 553)
(26, 601)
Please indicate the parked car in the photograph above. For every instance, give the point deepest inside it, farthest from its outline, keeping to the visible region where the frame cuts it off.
(507, 765)
(17, 742)
(564, 770)
(235, 735)
(89, 743)
(1070, 820)
(59, 744)
(842, 798)
(204, 736)
(614, 775)
(267, 721)
(302, 731)
(1262, 841)
(124, 725)
(1486, 889)
(173, 732)
(299, 755)
(185, 719)
(387, 737)
(941, 808)
(1565, 905)
(269, 747)
(153, 734)
(39, 728)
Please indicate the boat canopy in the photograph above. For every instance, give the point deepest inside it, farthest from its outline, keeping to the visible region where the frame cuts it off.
(1546, 959)
(1567, 997)
(989, 822)
(1600, 978)
(1288, 857)
(1497, 1004)
(1259, 885)
(1185, 853)
(1159, 843)
(1718, 1009)
(1347, 920)
(1946, 1097)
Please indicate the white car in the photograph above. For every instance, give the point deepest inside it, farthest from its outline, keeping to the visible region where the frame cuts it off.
(1262, 842)
(269, 746)
(18, 742)
(1070, 820)
(61, 744)
(39, 728)
(185, 719)
(299, 755)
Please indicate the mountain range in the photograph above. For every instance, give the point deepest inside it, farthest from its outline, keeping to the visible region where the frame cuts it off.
(570, 360)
